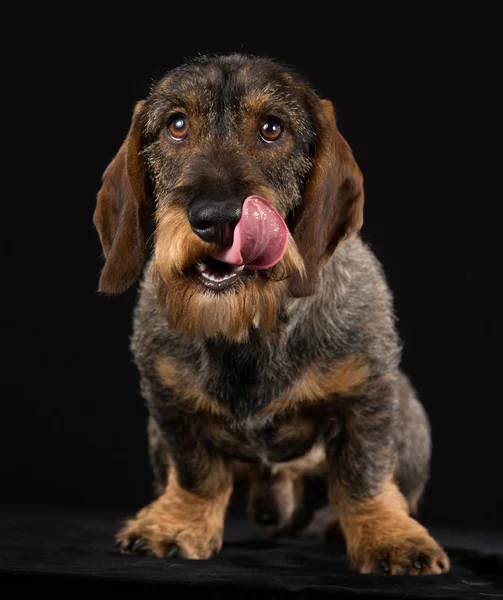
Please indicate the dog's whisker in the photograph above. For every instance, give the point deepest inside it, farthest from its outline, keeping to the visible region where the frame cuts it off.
(184, 299)
(150, 238)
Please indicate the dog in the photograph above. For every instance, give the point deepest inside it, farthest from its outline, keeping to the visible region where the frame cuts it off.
(264, 331)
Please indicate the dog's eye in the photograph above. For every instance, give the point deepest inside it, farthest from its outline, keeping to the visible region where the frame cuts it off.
(270, 130)
(178, 127)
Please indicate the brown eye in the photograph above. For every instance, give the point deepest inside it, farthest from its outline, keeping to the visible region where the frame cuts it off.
(270, 130)
(178, 127)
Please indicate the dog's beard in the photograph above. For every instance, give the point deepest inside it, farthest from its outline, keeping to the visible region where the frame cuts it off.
(190, 308)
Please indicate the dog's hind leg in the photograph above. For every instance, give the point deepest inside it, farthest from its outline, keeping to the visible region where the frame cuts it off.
(278, 502)
(283, 496)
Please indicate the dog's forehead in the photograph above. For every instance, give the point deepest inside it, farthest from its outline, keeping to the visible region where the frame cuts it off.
(231, 85)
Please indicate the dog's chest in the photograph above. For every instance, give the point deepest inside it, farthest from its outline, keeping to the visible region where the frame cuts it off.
(264, 438)
(248, 378)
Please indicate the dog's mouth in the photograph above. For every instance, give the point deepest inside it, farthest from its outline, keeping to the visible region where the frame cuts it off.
(259, 242)
(259, 239)
(216, 275)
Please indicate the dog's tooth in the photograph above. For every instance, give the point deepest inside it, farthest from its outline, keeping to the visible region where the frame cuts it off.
(217, 278)
(237, 269)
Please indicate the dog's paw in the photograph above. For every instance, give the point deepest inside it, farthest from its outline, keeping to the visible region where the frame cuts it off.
(412, 552)
(152, 532)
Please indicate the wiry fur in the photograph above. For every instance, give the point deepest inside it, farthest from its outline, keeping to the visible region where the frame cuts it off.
(292, 374)
(194, 312)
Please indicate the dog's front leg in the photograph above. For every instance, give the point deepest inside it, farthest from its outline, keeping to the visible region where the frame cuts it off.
(188, 517)
(381, 537)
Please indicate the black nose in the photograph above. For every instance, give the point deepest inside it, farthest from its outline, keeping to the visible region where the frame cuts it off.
(214, 220)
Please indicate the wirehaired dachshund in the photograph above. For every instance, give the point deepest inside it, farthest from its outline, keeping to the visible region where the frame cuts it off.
(264, 331)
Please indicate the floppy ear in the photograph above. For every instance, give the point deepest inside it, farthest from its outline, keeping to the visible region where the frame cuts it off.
(332, 203)
(120, 213)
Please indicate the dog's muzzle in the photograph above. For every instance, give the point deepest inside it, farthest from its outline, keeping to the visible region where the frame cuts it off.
(253, 235)
(249, 238)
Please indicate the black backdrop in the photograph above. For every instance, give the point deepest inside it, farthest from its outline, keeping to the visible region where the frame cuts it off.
(414, 91)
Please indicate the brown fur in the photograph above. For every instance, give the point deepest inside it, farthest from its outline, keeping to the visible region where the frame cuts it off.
(312, 463)
(318, 384)
(119, 216)
(186, 390)
(194, 522)
(177, 246)
(196, 313)
(220, 433)
(380, 529)
(282, 492)
(302, 375)
(295, 429)
(120, 219)
(335, 185)
(192, 311)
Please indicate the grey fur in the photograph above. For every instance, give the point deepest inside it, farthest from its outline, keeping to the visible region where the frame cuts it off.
(376, 430)
(351, 314)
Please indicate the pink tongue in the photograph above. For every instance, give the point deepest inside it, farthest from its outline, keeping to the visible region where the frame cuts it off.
(260, 237)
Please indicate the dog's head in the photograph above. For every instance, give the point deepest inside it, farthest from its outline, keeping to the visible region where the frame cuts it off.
(253, 188)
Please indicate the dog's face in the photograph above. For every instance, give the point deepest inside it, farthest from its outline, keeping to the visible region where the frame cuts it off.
(252, 185)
